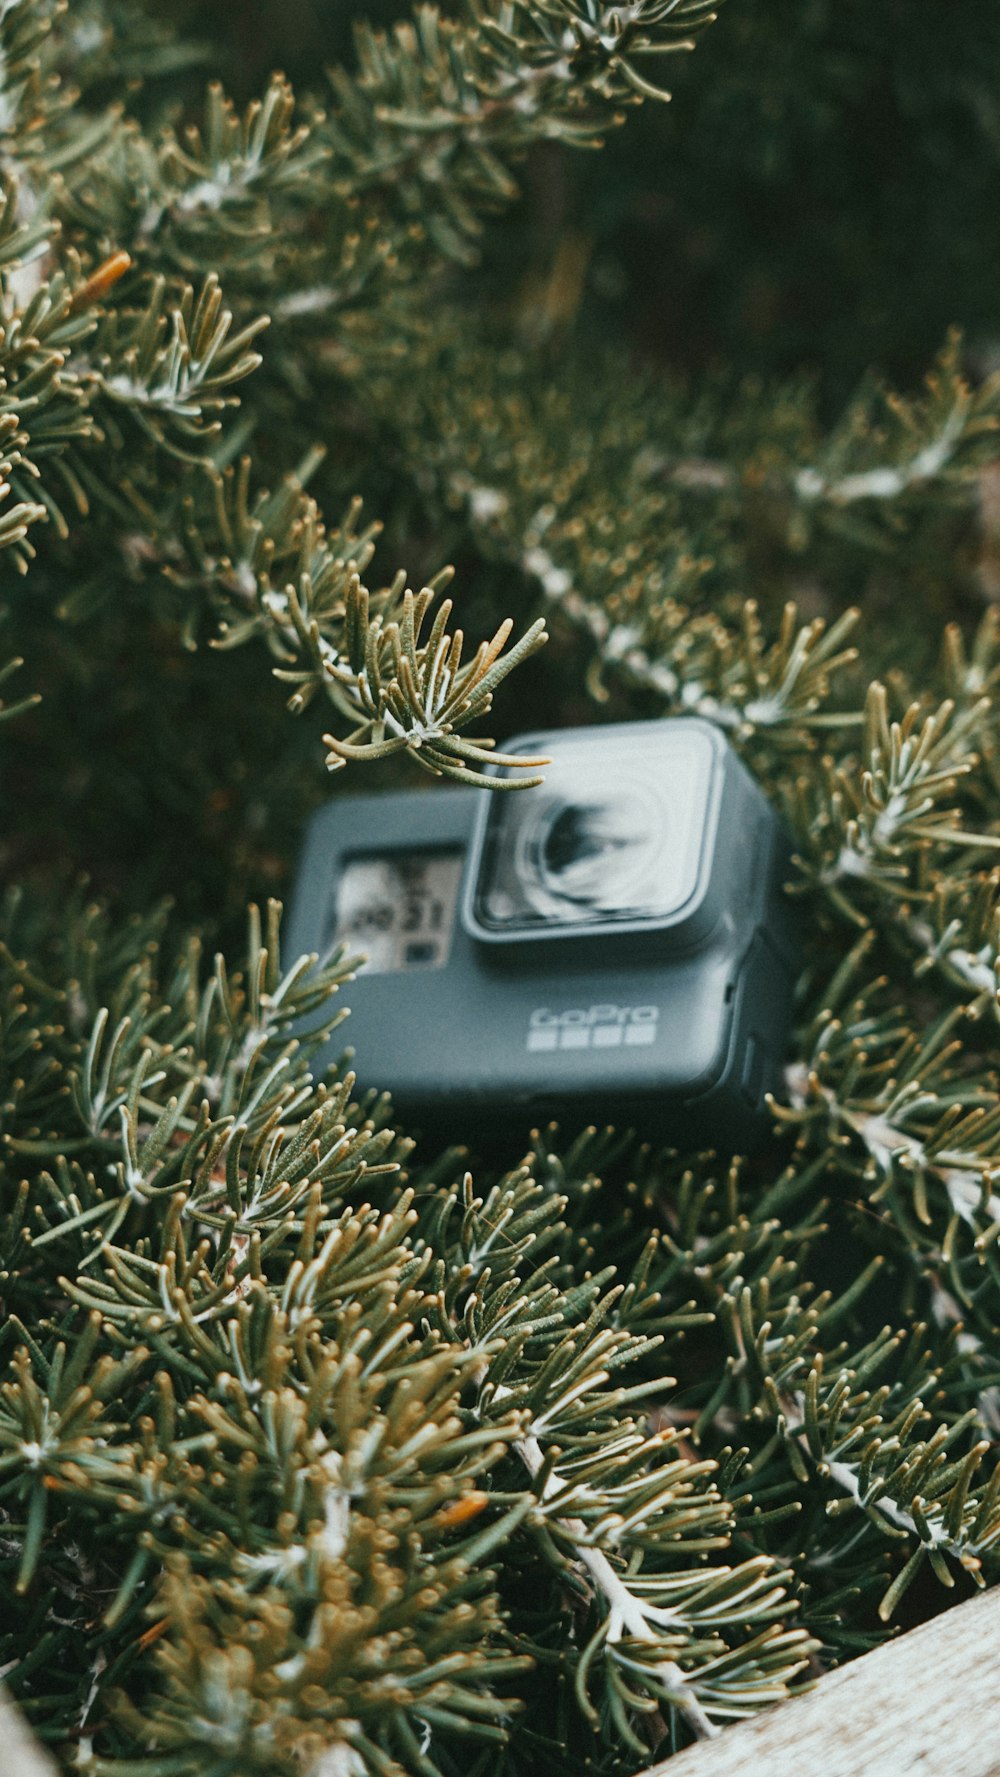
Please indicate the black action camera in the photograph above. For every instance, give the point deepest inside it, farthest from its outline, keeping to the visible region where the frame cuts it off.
(612, 946)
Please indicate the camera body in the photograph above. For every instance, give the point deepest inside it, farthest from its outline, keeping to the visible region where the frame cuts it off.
(612, 946)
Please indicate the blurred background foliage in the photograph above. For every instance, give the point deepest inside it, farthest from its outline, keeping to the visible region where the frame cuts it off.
(817, 203)
(819, 195)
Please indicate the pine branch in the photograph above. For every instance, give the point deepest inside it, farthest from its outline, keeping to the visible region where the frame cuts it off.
(618, 1512)
(958, 934)
(873, 819)
(171, 368)
(438, 107)
(232, 161)
(863, 1443)
(416, 147)
(856, 1422)
(633, 505)
(888, 447)
(413, 696)
(275, 572)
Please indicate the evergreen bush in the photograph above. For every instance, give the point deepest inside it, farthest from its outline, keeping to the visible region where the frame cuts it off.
(323, 1454)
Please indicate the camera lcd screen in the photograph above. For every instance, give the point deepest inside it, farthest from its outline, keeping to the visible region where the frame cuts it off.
(399, 907)
(614, 834)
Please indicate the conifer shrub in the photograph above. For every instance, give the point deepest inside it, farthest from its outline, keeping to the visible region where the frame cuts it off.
(323, 1453)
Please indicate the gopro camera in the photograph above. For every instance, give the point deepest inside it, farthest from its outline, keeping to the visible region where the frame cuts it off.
(611, 946)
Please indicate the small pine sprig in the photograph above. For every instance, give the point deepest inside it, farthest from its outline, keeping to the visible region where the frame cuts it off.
(415, 695)
(923, 1138)
(170, 366)
(956, 933)
(888, 449)
(80, 372)
(868, 824)
(274, 571)
(231, 170)
(752, 686)
(57, 1435)
(32, 108)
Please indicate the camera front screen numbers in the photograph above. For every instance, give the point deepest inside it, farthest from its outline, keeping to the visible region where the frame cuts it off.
(398, 908)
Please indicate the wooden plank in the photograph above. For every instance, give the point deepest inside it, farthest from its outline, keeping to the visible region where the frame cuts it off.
(927, 1704)
(20, 1753)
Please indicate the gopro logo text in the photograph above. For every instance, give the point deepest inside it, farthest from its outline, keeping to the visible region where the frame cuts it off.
(604, 1026)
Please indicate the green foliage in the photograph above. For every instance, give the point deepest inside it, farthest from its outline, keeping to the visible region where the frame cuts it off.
(320, 1454)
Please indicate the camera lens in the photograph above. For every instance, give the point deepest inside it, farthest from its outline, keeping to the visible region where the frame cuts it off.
(593, 856)
(614, 834)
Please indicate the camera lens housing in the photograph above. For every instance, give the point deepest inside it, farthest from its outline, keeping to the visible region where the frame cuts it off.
(617, 839)
(613, 945)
